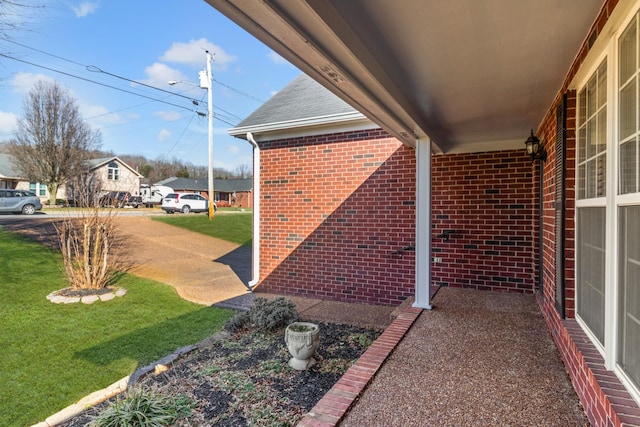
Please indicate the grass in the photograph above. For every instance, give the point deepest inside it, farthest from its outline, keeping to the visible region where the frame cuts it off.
(54, 354)
(234, 227)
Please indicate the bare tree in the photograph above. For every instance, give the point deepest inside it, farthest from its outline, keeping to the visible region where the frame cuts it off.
(242, 171)
(52, 142)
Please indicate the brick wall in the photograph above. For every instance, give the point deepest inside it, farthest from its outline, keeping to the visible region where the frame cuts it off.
(605, 399)
(243, 199)
(334, 209)
(489, 204)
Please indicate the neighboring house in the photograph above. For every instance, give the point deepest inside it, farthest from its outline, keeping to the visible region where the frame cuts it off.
(104, 174)
(9, 175)
(440, 191)
(228, 192)
(115, 175)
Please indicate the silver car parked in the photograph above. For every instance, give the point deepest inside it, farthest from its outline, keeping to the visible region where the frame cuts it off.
(19, 201)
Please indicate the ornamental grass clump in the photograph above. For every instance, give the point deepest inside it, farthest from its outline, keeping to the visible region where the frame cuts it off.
(144, 408)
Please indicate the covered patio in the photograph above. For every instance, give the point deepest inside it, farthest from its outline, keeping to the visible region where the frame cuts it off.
(478, 358)
(452, 91)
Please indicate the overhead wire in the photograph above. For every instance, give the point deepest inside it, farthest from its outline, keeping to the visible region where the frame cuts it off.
(93, 81)
(226, 118)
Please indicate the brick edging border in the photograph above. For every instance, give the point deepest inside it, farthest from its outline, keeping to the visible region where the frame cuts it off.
(334, 405)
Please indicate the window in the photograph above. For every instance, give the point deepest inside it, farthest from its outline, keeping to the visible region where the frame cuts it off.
(629, 295)
(37, 188)
(628, 115)
(628, 205)
(591, 217)
(113, 171)
(591, 266)
(608, 200)
(592, 136)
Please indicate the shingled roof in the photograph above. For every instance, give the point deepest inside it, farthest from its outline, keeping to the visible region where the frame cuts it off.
(7, 168)
(301, 99)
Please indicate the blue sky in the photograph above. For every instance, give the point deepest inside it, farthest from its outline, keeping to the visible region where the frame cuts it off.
(148, 41)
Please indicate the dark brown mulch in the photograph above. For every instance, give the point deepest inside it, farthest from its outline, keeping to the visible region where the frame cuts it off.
(244, 380)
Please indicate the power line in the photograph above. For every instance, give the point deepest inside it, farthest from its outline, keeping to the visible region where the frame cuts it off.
(239, 91)
(95, 82)
(94, 68)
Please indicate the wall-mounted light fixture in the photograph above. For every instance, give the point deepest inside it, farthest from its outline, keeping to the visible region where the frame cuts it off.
(534, 149)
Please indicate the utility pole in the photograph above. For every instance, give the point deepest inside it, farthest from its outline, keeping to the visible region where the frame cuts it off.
(206, 81)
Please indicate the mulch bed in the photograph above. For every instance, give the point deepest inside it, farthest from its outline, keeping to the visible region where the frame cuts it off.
(244, 380)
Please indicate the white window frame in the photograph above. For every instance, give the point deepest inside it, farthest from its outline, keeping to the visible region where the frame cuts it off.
(607, 47)
(113, 172)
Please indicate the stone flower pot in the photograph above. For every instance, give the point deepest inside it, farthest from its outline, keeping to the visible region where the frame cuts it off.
(302, 339)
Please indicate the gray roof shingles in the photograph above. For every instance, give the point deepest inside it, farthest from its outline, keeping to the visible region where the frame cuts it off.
(7, 167)
(303, 98)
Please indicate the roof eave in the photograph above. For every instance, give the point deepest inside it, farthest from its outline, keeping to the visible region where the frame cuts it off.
(337, 120)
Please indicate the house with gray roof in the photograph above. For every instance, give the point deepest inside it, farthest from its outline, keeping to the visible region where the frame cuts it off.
(104, 174)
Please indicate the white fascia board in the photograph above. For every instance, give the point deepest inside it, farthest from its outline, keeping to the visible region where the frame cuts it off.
(306, 126)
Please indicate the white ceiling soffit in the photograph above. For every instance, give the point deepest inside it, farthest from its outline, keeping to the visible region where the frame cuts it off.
(472, 75)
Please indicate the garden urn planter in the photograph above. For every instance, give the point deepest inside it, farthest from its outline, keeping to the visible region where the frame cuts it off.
(302, 339)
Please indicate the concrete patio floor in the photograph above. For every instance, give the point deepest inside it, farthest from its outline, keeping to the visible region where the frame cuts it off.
(479, 358)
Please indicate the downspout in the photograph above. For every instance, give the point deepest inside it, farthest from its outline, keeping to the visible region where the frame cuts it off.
(255, 241)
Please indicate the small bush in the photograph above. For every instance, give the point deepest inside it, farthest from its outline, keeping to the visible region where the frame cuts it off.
(143, 408)
(265, 315)
(237, 323)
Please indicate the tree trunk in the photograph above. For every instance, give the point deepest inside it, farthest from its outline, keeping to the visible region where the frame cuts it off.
(53, 192)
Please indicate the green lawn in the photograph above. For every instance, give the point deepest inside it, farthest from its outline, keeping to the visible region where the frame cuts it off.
(226, 225)
(51, 355)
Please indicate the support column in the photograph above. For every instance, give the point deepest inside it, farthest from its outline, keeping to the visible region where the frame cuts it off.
(423, 224)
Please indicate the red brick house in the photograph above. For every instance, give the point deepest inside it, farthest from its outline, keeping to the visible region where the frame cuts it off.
(431, 184)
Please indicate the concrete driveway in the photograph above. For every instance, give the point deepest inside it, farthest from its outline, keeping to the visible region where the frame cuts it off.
(202, 269)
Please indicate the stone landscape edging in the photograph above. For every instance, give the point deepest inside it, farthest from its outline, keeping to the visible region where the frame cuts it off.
(56, 298)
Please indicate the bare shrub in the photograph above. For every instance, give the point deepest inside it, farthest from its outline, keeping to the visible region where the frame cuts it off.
(87, 243)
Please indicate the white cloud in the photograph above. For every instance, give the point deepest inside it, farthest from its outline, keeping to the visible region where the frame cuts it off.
(85, 8)
(164, 135)
(159, 75)
(233, 149)
(24, 82)
(8, 123)
(168, 116)
(277, 59)
(193, 54)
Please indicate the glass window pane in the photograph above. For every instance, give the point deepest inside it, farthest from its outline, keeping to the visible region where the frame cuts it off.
(628, 166)
(582, 106)
(602, 84)
(628, 52)
(628, 110)
(601, 174)
(591, 180)
(590, 283)
(591, 96)
(581, 192)
(629, 302)
(582, 144)
(601, 134)
(592, 138)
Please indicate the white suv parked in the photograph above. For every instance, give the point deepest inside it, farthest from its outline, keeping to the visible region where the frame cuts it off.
(185, 203)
